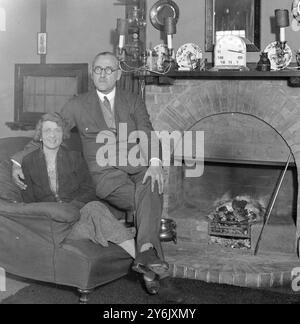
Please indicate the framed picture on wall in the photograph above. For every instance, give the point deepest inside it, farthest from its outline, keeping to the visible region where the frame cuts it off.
(239, 17)
(42, 43)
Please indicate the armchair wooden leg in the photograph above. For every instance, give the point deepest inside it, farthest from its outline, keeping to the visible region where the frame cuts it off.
(84, 295)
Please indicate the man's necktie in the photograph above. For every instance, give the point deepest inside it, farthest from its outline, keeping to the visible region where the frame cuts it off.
(108, 114)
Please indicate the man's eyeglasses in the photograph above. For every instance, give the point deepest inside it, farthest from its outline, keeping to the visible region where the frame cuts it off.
(108, 70)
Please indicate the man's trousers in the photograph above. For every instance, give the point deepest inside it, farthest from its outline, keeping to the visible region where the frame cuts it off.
(130, 194)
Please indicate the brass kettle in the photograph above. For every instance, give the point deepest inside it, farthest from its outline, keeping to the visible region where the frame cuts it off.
(168, 230)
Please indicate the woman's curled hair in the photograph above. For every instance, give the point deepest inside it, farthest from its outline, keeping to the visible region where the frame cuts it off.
(53, 117)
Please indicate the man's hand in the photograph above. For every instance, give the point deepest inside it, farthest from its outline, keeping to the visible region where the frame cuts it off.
(18, 177)
(156, 174)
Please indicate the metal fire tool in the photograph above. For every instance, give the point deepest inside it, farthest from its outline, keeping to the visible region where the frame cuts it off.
(272, 202)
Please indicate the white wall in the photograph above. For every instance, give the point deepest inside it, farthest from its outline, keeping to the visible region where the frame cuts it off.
(17, 45)
(79, 29)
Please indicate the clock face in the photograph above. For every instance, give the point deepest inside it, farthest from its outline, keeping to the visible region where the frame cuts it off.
(230, 51)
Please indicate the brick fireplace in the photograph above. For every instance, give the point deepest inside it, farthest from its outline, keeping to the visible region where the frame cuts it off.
(243, 120)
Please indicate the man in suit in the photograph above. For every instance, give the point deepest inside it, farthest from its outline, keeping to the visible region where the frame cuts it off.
(134, 189)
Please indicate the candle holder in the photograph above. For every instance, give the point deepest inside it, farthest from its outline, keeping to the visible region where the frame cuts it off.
(122, 30)
(282, 21)
(170, 30)
(131, 33)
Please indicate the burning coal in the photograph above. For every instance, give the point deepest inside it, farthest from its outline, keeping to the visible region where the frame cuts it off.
(242, 209)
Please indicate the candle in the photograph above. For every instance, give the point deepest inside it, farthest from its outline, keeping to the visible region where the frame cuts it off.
(121, 41)
(170, 42)
(282, 18)
(282, 34)
(150, 60)
(122, 26)
(170, 30)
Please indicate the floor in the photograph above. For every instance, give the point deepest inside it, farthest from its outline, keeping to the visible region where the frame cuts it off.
(13, 285)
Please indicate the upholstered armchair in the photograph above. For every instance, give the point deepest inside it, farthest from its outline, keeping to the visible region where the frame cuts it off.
(33, 241)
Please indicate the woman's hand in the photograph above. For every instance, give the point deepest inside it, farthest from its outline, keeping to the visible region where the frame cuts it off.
(18, 177)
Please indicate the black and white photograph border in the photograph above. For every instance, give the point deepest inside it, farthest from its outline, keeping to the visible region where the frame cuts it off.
(127, 180)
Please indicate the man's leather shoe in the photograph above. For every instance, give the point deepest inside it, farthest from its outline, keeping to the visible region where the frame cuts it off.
(149, 261)
(168, 293)
(152, 283)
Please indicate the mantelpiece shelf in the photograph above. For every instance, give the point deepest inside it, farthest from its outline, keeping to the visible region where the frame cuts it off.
(234, 74)
(293, 75)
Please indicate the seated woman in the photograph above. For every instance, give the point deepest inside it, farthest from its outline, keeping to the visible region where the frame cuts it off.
(55, 174)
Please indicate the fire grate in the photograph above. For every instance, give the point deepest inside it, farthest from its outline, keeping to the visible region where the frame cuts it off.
(230, 229)
(234, 235)
(231, 221)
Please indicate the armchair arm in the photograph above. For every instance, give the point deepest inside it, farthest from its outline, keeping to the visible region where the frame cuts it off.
(52, 221)
(58, 212)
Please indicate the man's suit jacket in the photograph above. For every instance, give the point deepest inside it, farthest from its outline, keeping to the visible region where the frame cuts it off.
(85, 113)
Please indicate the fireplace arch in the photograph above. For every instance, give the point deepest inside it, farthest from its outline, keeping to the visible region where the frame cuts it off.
(188, 102)
(239, 128)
